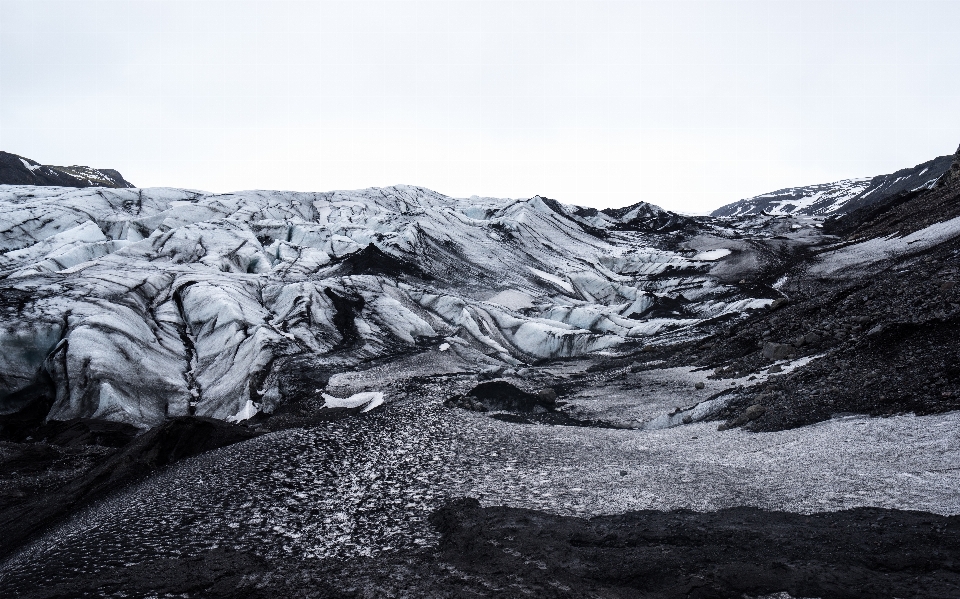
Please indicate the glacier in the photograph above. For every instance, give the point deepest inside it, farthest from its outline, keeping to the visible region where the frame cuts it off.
(138, 305)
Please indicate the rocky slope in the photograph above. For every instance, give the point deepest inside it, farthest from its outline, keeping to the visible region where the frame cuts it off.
(841, 197)
(17, 170)
(876, 314)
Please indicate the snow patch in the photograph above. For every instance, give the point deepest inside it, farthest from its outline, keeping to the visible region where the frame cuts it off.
(549, 278)
(30, 167)
(512, 299)
(882, 248)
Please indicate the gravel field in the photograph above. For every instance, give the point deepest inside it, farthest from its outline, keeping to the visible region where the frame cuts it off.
(365, 486)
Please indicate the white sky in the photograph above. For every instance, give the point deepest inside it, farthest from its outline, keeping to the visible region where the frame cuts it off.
(689, 105)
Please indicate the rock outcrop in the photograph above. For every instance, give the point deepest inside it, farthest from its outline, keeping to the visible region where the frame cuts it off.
(952, 176)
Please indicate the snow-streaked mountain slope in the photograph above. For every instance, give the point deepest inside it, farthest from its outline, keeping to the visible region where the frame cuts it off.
(17, 170)
(141, 304)
(832, 199)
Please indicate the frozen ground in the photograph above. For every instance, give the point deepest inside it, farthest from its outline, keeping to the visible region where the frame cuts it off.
(365, 486)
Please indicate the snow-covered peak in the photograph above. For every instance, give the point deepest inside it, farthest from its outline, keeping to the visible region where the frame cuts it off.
(832, 199)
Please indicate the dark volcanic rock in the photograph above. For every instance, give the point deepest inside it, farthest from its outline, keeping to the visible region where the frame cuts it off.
(842, 197)
(371, 260)
(16, 170)
(86, 431)
(777, 351)
(509, 403)
(667, 307)
(344, 319)
(176, 439)
(865, 552)
(885, 340)
(32, 403)
(902, 213)
(218, 573)
(501, 395)
(751, 413)
(648, 218)
(952, 176)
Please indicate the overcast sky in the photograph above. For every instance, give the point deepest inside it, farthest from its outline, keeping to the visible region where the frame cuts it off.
(689, 105)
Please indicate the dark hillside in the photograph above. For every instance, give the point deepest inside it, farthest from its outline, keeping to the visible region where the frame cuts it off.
(17, 170)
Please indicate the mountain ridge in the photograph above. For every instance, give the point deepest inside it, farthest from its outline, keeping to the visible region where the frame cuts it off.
(840, 197)
(18, 170)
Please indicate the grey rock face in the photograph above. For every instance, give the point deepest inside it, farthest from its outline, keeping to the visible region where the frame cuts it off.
(953, 174)
(752, 413)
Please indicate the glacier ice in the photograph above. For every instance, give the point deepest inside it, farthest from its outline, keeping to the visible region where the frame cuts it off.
(145, 304)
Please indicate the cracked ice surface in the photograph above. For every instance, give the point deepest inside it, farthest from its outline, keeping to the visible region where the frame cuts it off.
(142, 304)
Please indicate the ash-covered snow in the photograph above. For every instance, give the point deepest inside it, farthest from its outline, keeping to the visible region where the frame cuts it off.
(711, 255)
(870, 251)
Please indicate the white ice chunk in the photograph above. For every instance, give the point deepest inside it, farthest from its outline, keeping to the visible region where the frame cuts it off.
(552, 279)
(368, 399)
(248, 411)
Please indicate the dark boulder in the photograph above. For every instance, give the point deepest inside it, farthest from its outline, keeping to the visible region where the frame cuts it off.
(777, 351)
(504, 396)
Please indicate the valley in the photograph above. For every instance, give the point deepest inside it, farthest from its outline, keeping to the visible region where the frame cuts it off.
(391, 392)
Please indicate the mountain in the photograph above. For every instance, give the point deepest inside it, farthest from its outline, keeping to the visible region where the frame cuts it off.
(17, 170)
(393, 392)
(833, 199)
